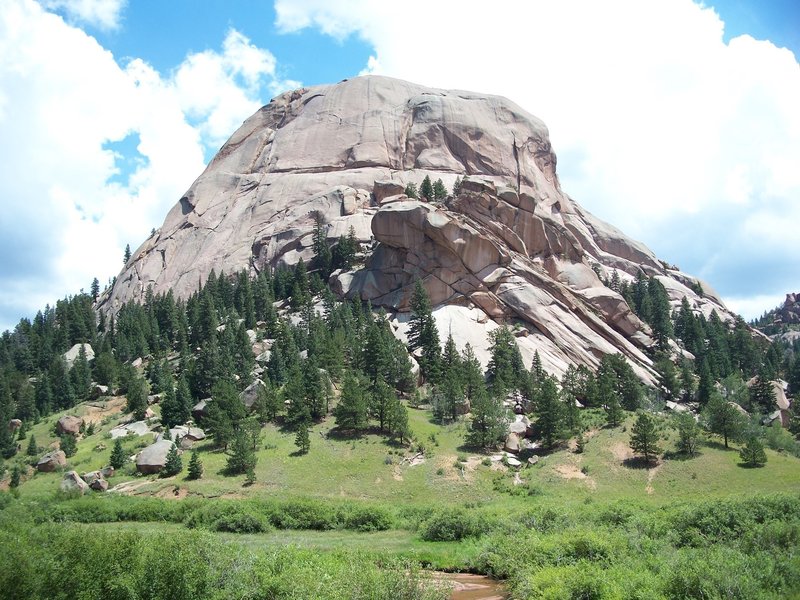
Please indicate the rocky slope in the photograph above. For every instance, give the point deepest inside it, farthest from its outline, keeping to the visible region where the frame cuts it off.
(511, 246)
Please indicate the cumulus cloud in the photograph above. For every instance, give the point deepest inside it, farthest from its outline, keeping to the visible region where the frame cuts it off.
(103, 14)
(63, 98)
(661, 128)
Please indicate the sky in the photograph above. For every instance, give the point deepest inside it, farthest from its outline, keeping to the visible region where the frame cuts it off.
(676, 121)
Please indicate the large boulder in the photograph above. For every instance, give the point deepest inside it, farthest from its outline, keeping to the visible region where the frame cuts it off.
(72, 354)
(200, 409)
(52, 461)
(69, 425)
(136, 428)
(14, 424)
(72, 482)
(250, 394)
(153, 458)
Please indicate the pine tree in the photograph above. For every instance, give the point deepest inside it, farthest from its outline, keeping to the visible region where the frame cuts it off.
(173, 464)
(33, 449)
(302, 439)
(549, 420)
(688, 433)
(456, 186)
(411, 191)
(68, 445)
(762, 394)
(505, 370)
(195, 470)
(488, 425)
(81, 376)
(351, 412)
(95, 289)
(380, 400)
(397, 419)
(645, 435)
(118, 458)
(137, 398)
(722, 418)
(225, 412)
(752, 453)
(127, 256)
(16, 476)
(242, 456)
(323, 258)
(424, 334)
(426, 189)
(439, 191)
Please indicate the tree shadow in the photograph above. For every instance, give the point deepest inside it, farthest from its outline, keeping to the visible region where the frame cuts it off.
(298, 453)
(717, 446)
(744, 465)
(680, 456)
(638, 462)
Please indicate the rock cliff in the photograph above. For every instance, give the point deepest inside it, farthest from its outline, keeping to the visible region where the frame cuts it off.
(510, 246)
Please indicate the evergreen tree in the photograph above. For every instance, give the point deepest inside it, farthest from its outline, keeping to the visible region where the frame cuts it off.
(195, 470)
(68, 445)
(614, 411)
(302, 439)
(95, 289)
(380, 401)
(242, 458)
(645, 435)
(268, 402)
(397, 419)
(549, 420)
(724, 419)
(351, 412)
(439, 191)
(127, 256)
(668, 378)
(505, 369)
(118, 458)
(137, 398)
(426, 189)
(762, 394)
(16, 476)
(456, 186)
(752, 453)
(81, 376)
(488, 426)
(105, 369)
(448, 397)
(411, 191)
(183, 400)
(688, 433)
(33, 449)
(424, 334)
(170, 412)
(705, 387)
(471, 373)
(323, 257)
(173, 464)
(225, 412)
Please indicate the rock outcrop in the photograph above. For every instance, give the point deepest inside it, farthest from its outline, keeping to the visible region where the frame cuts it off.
(52, 461)
(153, 458)
(69, 425)
(510, 246)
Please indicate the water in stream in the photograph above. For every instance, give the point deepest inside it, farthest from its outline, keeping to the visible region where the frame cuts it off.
(474, 587)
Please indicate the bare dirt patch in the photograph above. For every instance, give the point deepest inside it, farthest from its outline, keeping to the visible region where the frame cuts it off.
(97, 411)
(172, 493)
(572, 471)
(621, 451)
(129, 487)
(397, 474)
(651, 474)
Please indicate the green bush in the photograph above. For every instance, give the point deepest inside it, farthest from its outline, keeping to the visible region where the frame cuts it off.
(450, 525)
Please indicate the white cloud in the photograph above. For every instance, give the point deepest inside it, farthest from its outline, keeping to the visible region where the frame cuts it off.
(660, 127)
(104, 14)
(62, 99)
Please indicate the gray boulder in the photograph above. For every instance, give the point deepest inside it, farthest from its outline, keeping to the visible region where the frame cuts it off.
(99, 485)
(69, 425)
(72, 354)
(153, 458)
(72, 482)
(250, 393)
(52, 461)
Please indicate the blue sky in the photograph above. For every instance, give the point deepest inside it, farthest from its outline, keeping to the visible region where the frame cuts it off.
(675, 121)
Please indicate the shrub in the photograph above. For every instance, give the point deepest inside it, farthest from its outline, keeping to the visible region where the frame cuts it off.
(450, 525)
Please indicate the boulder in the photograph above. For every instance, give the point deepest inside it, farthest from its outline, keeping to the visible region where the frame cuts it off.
(107, 472)
(511, 443)
(136, 428)
(200, 409)
(154, 398)
(72, 354)
(99, 485)
(99, 391)
(387, 187)
(519, 428)
(196, 434)
(72, 482)
(250, 394)
(153, 458)
(14, 424)
(52, 461)
(92, 476)
(69, 425)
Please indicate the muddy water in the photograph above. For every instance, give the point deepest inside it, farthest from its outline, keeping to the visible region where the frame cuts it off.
(473, 587)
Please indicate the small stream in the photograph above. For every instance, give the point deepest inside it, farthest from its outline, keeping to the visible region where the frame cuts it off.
(474, 587)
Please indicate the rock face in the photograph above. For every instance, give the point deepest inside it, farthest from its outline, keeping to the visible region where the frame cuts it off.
(72, 482)
(510, 246)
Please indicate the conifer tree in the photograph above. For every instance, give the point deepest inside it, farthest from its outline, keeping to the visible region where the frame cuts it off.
(380, 401)
(170, 416)
(127, 255)
(439, 191)
(173, 464)
(471, 373)
(302, 439)
(549, 420)
(195, 470)
(457, 186)
(424, 334)
(225, 412)
(645, 435)
(351, 412)
(688, 433)
(137, 398)
(68, 445)
(95, 289)
(724, 419)
(397, 419)
(16, 476)
(183, 400)
(242, 457)
(762, 394)
(33, 449)
(488, 425)
(411, 191)
(426, 189)
(118, 458)
(752, 453)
